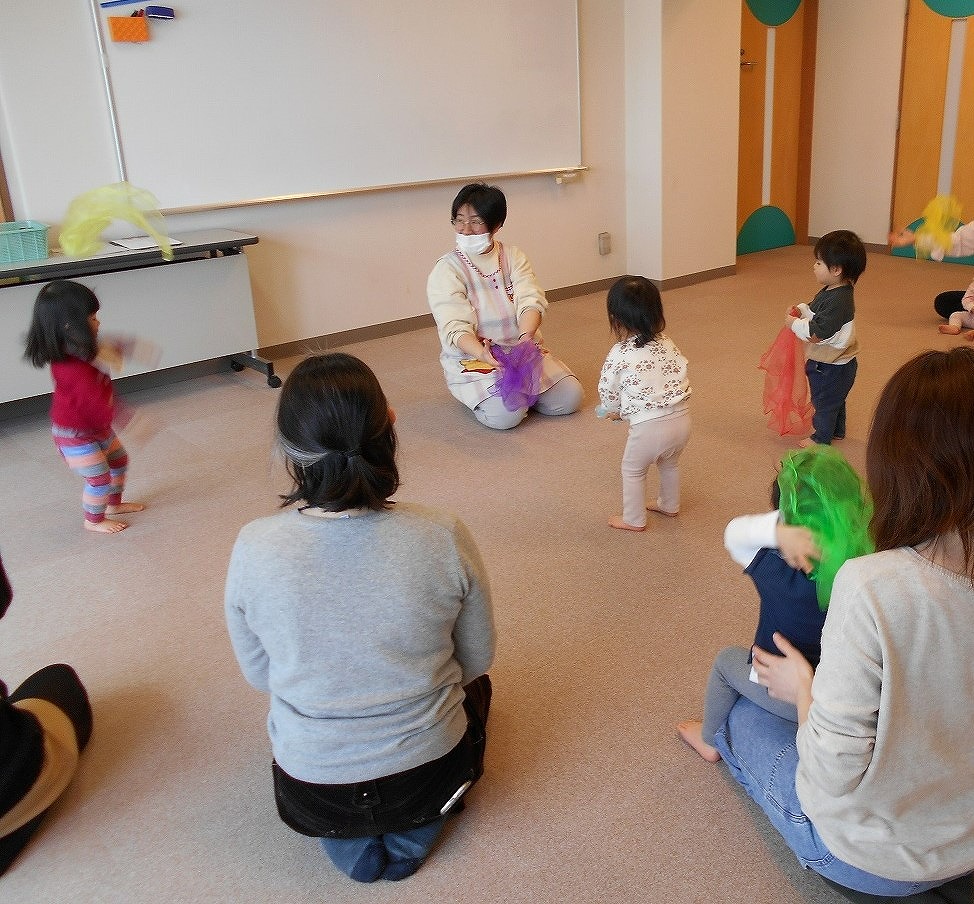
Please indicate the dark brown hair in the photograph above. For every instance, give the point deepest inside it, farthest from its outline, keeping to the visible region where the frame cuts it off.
(845, 250)
(920, 453)
(335, 428)
(635, 309)
(59, 326)
(487, 200)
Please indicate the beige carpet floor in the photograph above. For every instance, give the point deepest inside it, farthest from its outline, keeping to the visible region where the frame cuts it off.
(605, 637)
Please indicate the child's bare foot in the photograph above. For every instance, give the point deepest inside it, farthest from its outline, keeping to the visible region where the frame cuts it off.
(659, 511)
(806, 443)
(105, 527)
(125, 508)
(948, 329)
(617, 522)
(691, 733)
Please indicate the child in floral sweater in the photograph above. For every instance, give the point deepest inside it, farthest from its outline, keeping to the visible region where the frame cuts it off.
(644, 381)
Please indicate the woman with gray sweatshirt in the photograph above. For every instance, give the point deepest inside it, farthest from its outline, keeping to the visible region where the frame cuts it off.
(369, 624)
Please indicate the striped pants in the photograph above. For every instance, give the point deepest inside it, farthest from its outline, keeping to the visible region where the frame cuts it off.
(101, 461)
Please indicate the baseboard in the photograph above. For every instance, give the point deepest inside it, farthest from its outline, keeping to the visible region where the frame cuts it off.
(691, 279)
(589, 288)
(317, 345)
(321, 344)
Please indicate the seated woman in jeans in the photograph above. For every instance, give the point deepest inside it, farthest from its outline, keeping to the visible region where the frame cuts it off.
(369, 624)
(875, 791)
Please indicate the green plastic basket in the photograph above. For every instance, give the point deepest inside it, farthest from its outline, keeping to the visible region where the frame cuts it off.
(22, 240)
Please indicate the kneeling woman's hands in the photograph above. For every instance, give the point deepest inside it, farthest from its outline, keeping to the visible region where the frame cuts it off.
(787, 677)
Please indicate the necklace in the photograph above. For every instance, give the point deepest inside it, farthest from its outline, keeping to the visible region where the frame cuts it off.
(478, 271)
(508, 290)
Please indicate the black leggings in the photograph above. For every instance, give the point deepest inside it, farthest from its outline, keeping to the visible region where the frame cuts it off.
(59, 684)
(947, 303)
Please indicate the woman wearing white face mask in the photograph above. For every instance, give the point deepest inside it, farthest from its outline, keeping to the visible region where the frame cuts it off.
(484, 294)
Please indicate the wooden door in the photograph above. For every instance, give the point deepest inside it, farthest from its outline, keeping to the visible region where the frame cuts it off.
(936, 109)
(774, 144)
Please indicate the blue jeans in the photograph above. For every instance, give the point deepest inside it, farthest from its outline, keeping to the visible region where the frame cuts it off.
(829, 385)
(393, 855)
(760, 752)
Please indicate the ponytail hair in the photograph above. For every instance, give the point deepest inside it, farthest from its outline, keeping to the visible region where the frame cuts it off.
(336, 432)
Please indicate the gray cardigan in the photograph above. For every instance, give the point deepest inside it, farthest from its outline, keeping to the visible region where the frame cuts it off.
(363, 630)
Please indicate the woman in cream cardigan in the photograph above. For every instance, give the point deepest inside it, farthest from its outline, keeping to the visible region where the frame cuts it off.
(483, 294)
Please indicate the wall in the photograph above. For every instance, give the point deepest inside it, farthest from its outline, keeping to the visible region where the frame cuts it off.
(681, 135)
(701, 96)
(329, 265)
(857, 88)
(644, 137)
(324, 266)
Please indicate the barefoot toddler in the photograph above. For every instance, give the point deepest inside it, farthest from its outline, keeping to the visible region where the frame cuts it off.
(644, 381)
(64, 333)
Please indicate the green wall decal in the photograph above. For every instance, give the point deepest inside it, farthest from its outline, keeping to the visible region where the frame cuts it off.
(775, 12)
(768, 227)
(952, 9)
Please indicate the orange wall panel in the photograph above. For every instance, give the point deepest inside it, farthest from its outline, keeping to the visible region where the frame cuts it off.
(921, 112)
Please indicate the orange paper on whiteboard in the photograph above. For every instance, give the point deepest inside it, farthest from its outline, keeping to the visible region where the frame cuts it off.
(133, 29)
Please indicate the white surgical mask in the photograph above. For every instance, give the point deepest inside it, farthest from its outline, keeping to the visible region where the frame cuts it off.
(474, 244)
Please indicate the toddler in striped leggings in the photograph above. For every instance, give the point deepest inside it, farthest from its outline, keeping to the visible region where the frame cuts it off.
(64, 333)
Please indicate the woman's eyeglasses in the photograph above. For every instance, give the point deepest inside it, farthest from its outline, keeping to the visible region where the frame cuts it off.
(473, 223)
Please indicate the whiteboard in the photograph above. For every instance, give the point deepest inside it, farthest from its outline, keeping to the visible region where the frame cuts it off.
(243, 100)
(55, 124)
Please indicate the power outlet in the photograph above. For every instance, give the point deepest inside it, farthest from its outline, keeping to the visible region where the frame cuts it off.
(605, 243)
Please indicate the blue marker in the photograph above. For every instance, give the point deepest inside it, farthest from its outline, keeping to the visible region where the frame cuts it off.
(108, 3)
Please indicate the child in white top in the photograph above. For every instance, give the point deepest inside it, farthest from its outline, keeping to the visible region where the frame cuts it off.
(959, 321)
(644, 381)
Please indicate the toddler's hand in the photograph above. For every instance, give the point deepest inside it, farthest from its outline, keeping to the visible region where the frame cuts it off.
(797, 546)
(109, 356)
